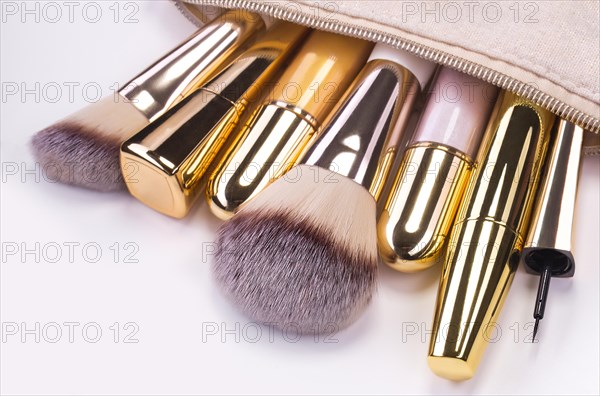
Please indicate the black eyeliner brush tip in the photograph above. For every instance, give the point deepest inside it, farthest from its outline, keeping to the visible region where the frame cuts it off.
(535, 329)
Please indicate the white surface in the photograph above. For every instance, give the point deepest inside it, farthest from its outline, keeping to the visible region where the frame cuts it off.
(169, 293)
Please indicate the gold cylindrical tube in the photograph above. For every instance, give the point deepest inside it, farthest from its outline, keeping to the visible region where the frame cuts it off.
(553, 218)
(421, 207)
(434, 173)
(280, 129)
(165, 163)
(485, 243)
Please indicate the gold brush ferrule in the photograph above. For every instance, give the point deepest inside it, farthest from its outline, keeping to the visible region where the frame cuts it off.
(483, 253)
(275, 132)
(156, 162)
(192, 63)
(172, 154)
(422, 205)
(551, 228)
(382, 172)
(360, 138)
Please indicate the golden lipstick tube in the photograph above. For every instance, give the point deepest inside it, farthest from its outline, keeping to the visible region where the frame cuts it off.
(170, 79)
(283, 125)
(486, 241)
(171, 155)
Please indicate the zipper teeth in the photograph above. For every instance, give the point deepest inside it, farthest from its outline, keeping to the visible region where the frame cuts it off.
(493, 77)
(186, 13)
(593, 151)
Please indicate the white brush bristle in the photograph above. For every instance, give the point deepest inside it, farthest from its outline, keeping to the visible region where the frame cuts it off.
(303, 252)
(330, 202)
(83, 149)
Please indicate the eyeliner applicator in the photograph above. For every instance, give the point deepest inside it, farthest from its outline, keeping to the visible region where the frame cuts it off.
(547, 250)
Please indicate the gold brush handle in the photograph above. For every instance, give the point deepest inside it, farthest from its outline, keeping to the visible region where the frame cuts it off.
(190, 65)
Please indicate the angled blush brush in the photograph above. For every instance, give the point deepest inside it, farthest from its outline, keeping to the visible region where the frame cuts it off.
(303, 252)
(84, 147)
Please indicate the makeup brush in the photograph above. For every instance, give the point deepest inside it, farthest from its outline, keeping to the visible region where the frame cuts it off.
(83, 148)
(303, 252)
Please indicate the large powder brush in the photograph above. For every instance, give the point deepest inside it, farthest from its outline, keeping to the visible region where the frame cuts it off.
(298, 254)
(83, 149)
(303, 252)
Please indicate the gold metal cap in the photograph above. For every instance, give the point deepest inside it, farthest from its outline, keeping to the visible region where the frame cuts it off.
(479, 270)
(162, 164)
(421, 207)
(551, 228)
(285, 122)
(272, 141)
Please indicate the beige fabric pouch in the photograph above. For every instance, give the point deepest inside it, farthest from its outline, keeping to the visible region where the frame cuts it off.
(546, 51)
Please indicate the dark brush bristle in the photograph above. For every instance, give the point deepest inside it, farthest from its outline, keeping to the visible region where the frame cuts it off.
(290, 273)
(73, 154)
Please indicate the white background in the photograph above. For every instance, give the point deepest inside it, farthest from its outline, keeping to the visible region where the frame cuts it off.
(169, 295)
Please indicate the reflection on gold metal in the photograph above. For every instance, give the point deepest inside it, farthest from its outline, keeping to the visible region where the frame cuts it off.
(166, 177)
(485, 243)
(360, 138)
(383, 172)
(174, 152)
(281, 128)
(552, 221)
(193, 63)
(252, 167)
(422, 205)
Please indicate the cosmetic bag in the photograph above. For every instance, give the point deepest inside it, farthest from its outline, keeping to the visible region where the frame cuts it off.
(547, 52)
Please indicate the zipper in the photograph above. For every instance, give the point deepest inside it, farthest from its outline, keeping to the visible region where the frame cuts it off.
(501, 80)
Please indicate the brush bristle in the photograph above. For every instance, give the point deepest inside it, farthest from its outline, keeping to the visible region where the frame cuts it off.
(303, 253)
(83, 149)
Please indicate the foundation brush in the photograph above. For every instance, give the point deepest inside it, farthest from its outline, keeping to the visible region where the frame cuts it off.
(303, 252)
(84, 147)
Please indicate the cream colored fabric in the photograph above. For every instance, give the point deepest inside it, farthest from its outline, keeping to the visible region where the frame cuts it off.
(554, 45)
